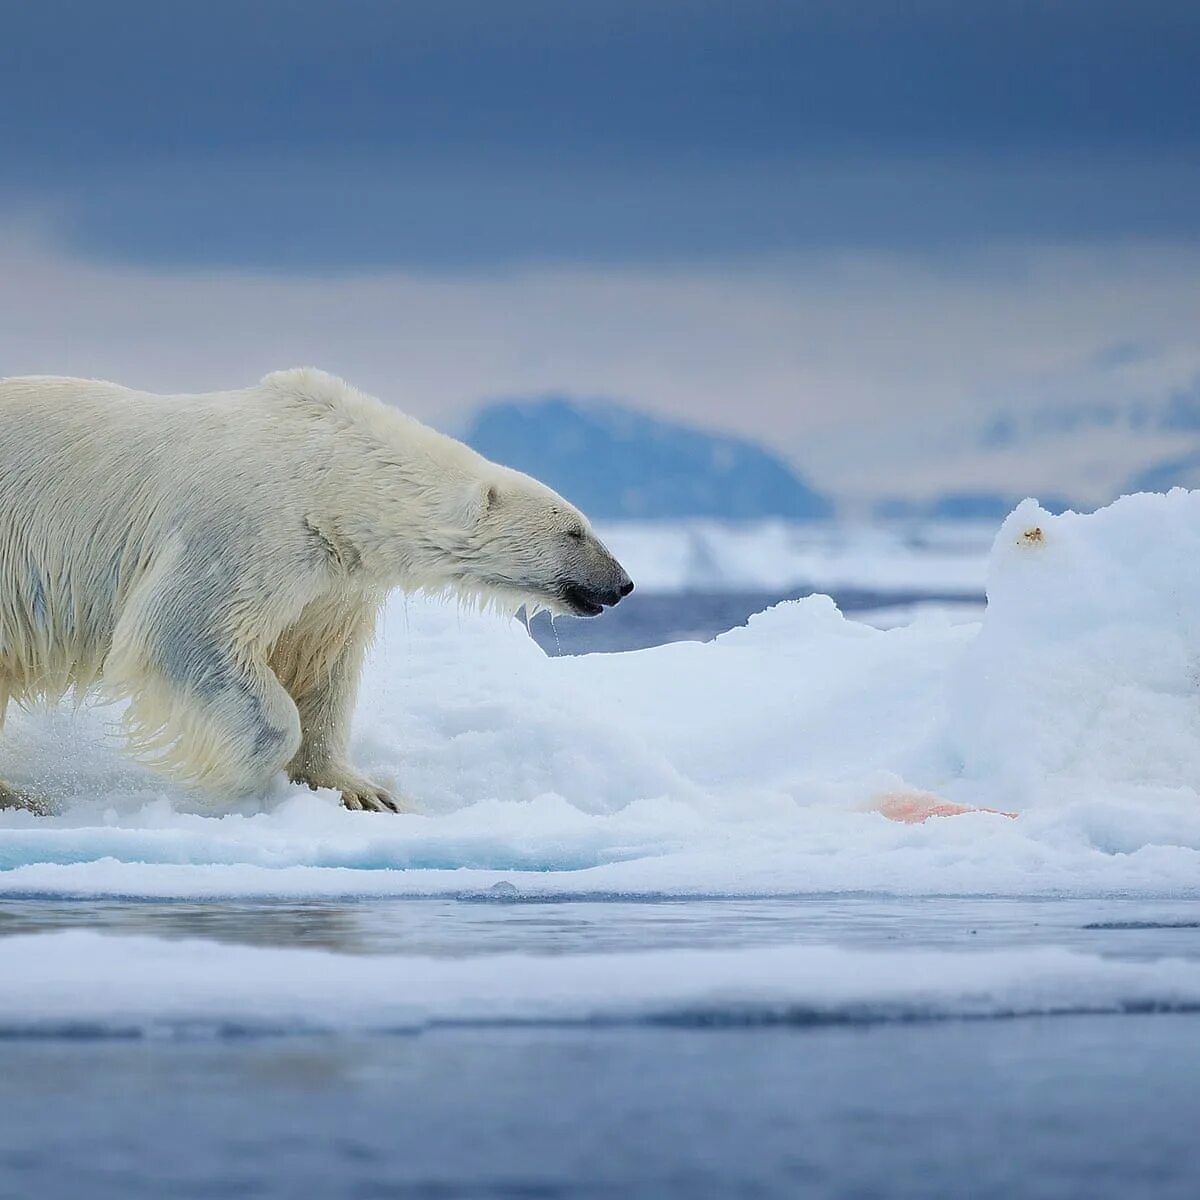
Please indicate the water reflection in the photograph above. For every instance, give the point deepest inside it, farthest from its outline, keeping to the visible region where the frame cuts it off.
(462, 926)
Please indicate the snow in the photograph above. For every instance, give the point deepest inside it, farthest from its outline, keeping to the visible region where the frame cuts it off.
(932, 558)
(82, 983)
(752, 765)
(891, 616)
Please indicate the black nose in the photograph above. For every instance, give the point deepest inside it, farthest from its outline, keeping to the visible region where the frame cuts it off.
(626, 587)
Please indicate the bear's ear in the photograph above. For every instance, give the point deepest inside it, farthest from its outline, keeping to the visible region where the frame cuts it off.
(491, 499)
(481, 500)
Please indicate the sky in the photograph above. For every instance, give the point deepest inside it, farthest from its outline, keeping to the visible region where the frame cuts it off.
(843, 228)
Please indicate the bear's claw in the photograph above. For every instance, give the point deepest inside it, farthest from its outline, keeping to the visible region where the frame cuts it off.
(358, 793)
(369, 800)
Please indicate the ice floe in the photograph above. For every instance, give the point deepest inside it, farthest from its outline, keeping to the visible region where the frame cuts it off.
(754, 764)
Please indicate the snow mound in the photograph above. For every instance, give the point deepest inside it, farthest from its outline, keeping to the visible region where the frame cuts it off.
(83, 984)
(749, 765)
(1084, 682)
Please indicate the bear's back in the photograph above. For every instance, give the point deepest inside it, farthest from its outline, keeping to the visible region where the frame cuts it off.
(96, 480)
(74, 445)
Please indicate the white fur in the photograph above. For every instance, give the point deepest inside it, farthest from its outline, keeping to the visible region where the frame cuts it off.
(219, 559)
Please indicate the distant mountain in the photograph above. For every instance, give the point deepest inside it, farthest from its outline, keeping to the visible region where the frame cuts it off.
(617, 463)
(1078, 454)
(1100, 450)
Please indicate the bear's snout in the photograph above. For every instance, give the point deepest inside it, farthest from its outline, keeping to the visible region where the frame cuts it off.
(610, 599)
(590, 601)
(621, 588)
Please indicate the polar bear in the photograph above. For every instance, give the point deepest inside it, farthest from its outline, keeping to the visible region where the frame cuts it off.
(218, 560)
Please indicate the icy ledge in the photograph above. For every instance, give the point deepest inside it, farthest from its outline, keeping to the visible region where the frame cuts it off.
(83, 984)
(749, 765)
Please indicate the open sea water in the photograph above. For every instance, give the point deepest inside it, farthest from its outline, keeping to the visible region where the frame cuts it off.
(652, 618)
(1072, 1105)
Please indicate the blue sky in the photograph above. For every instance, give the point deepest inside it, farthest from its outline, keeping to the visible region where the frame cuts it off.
(814, 222)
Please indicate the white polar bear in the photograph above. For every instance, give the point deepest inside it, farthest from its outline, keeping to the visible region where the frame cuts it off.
(219, 561)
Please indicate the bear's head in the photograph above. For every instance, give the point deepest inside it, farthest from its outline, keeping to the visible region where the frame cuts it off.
(410, 507)
(523, 543)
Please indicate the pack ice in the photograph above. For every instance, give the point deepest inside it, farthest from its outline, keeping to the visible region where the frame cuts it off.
(754, 764)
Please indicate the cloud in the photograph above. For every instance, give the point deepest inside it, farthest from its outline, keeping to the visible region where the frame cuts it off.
(348, 213)
(463, 134)
(620, 78)
(858, 367)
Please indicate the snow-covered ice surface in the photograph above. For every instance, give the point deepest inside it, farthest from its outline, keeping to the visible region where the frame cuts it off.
(81, 980)
(150, 985)
(749, 765)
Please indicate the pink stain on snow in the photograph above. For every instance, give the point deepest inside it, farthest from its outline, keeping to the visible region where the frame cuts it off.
(912, 808)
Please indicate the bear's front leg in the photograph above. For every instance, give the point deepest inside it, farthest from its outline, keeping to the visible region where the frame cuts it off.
(319, 665)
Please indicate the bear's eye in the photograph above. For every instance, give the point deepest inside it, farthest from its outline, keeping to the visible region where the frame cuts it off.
(575, 534)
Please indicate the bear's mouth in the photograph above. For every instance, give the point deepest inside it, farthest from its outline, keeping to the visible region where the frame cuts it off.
(587, 602)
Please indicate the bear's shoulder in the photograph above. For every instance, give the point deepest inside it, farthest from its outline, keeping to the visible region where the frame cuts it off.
(309, 385)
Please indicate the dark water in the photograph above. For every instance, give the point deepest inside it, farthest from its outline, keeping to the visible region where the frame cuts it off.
(649, 619)
(1091, 1108)
(474, 924)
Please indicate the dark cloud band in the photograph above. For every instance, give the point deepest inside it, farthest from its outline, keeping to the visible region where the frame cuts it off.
(446, 132)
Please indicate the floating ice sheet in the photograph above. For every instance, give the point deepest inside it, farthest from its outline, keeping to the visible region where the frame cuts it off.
(84, 984)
